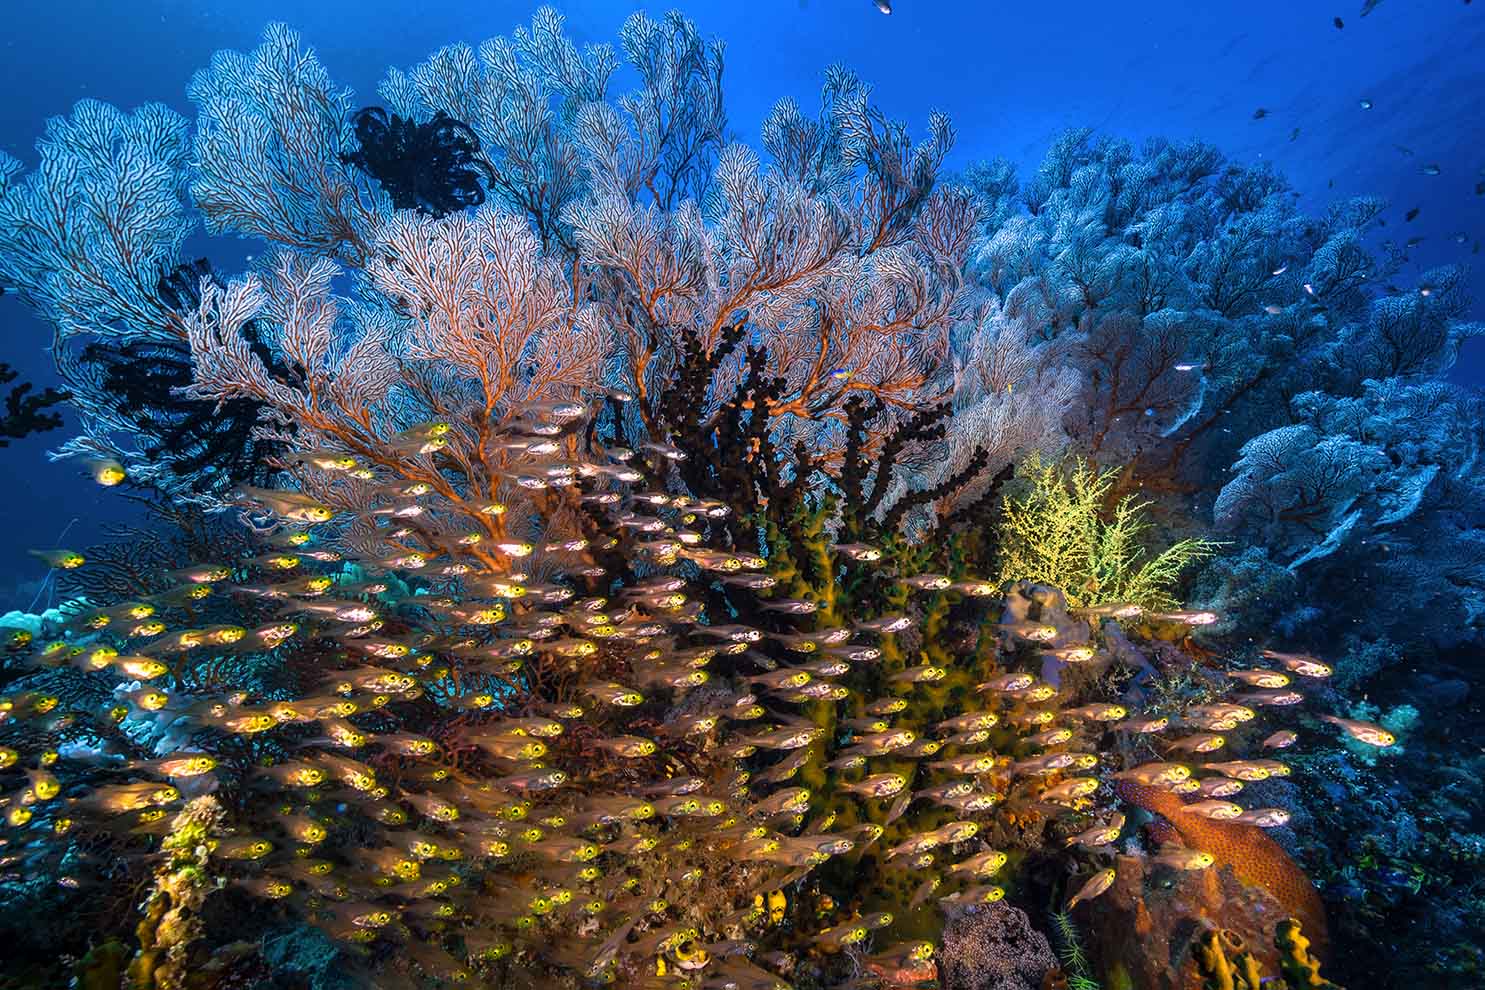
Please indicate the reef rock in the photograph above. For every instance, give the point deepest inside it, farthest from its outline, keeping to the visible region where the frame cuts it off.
(994, 947)
(1145, 929)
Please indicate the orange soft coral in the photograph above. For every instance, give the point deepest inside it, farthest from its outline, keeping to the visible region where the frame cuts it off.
(1254, 857)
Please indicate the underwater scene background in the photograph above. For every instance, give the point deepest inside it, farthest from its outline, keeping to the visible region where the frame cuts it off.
(755, 495)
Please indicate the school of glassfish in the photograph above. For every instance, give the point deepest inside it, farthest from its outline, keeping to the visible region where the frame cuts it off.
(554, 755)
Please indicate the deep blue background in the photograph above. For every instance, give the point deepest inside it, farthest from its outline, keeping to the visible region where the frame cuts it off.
(1011, 74)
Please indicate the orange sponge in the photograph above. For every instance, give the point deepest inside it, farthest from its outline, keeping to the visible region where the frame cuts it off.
(1255, 858)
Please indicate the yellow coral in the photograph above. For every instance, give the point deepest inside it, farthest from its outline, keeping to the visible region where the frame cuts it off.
(1061, 532)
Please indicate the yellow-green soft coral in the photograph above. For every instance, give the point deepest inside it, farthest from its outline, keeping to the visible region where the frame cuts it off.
(1225, 964)
(1062, 532)
(171, 915)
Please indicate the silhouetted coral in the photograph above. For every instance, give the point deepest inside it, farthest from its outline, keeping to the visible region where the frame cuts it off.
(25, 413)
(207, 445)
(433, 167)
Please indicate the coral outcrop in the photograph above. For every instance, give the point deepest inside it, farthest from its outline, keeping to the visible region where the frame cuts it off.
(1254, 858)
(994, 947)
(1147, 930)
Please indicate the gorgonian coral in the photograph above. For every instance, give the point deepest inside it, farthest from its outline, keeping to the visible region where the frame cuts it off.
(434, 167)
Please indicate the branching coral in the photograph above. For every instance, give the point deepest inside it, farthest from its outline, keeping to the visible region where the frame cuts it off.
(26, 413)
(1061, 532)
(617, 590)
(269, 136)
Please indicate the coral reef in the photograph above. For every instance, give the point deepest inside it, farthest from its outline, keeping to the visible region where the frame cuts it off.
(1253, 857)
(1148, 930)
(628, 577)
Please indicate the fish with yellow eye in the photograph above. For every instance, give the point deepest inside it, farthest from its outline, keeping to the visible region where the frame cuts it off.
(1070, 789)
(132, 797)
(879, 785)
(1051, 737)
(287, 505)
(1265, 817)
(1091, 888)
(343, 733)
(1260, 678)
(1035, 632)
(1179, 858)
(1006, 683)
(1099, 835)
(1300, 663)
(180, 765)
(614, 694)
(139, 668)
(1199, 742)
(1098, 712)
(914, 845)
(982, 894)
(1222, 710)
(1365, 732)
(44, 786)
(106, 471)
(982, 864)
(1218, 787)
(355, 775)
(243, 848)
(1248, 770)
(1222, 811)
(840, 936)
(1282, 739)
(968, 764)
(1073, 654)
(1142, 726)
(922, 674)
(62, 560)
(294, 774)
(626, 746)
(148, 699)
(788, 738)
(907, 956)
